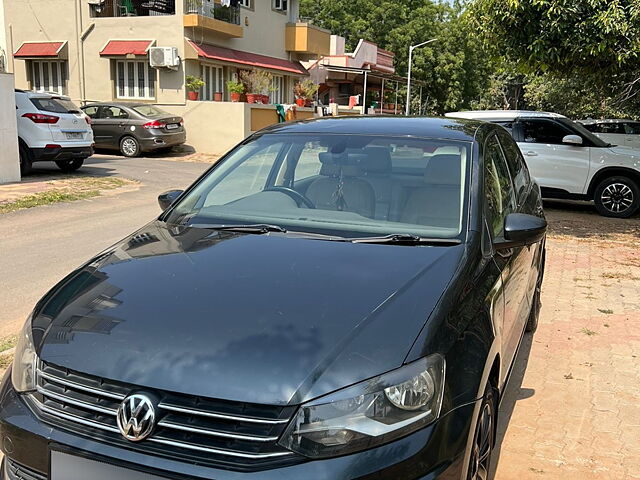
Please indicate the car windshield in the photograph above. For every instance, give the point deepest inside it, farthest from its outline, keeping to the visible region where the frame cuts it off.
(151, 111)
(55, 105)
(597, 142)
(342, 185)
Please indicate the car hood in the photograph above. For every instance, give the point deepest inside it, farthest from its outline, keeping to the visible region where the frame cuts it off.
(254, 318)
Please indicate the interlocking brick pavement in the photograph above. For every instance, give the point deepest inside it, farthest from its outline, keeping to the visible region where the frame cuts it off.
(572, 409)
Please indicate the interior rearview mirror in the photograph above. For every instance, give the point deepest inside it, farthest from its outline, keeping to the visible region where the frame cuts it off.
(167, 198)
(572, 140)
(521, 230)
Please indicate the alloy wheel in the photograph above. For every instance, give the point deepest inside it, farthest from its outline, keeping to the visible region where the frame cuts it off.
(617, 197)
(129, 147)
(482, 446)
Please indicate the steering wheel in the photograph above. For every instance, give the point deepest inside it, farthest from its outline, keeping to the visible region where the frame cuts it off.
(294, 194)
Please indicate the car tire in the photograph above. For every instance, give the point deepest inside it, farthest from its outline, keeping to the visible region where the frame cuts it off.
(69, 165)
(536, 303)
(26, 161)
(617, 197)
(483, 437)
(129, 146)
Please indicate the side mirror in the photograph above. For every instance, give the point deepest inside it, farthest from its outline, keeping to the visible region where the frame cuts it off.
(521, 230)
(167, 198)
(572, 140)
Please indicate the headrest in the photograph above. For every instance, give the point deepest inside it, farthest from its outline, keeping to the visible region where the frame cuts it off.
(377, 160)
(443, 170)
(328, 158)
(333, 170)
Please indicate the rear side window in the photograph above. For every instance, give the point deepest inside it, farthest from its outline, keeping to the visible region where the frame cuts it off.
(544, 131)
(632, 128)
(610, 128)
(517, 166)
(498, 189)
(55, 105)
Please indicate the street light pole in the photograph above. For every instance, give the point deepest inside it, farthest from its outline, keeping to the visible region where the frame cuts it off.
(411, 49)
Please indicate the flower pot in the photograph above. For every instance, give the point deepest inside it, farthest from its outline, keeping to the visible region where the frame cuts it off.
(217, 97)
(235, 97)
(243, 97)
(252, 97)
(193, 95)
(300, 102)
(265, 99)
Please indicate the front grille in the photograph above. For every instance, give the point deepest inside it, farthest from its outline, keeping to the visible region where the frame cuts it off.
(15, 471)
(231, 435)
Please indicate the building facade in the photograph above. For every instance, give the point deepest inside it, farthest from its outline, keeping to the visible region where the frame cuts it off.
(98, 50)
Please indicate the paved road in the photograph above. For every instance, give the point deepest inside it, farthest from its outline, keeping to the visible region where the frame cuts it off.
(40, 245)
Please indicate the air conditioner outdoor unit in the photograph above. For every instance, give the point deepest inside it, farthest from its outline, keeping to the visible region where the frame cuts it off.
(164, 57)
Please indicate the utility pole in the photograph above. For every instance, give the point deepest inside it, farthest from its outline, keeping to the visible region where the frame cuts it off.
(411, 49)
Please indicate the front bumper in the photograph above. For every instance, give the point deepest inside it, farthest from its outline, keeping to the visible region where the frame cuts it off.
(62, 153)
(435, 452)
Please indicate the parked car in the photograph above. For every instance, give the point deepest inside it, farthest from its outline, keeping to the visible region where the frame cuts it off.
(133, 128)
(51, 128)
(568, 161)
(335, 299)
(625, 133)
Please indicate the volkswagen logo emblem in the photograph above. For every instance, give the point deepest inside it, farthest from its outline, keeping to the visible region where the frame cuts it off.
(136, 417)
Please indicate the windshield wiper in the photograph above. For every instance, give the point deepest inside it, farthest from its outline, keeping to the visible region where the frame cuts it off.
(406, 239)
(260, 228)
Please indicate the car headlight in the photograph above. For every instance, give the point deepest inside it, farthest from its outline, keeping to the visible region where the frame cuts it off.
(23, 373)
(370, 413)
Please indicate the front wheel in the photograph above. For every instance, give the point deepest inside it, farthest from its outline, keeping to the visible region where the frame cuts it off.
(129, 147)
(69, 165)
(483, 440)
(617, 197)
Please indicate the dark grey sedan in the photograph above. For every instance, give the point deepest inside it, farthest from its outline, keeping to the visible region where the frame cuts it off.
(133, 128)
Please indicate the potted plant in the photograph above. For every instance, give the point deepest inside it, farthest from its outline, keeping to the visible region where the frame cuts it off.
(236, 89)
(304, 92)
(250, 79)
(217, 96)
(194, 84)
(300, 94)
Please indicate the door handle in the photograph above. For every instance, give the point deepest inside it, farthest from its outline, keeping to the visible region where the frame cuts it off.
(531, 154)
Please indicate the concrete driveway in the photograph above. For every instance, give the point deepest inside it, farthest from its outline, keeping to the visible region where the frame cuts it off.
(41, 245)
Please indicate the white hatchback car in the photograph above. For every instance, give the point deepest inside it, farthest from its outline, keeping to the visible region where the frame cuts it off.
(52, 128)
(570, 162)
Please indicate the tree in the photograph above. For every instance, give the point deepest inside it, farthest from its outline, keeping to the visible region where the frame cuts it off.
(454, 69)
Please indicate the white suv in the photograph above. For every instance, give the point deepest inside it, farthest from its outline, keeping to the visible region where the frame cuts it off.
(568, 161)
(52, 128)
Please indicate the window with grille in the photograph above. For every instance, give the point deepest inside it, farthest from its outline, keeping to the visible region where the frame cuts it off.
(245, 3)
(278, 92)
(135, 79)
(49, 76)
(213, 78)
(280, 5)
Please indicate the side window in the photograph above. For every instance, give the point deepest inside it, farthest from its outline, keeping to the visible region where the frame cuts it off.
(114, 112)
(498, 190)
(611, 127)
(544, 131)
(309, 162)
(632, 128)
(517, 166)
(592, 127)
(92, 112)
(248, 178)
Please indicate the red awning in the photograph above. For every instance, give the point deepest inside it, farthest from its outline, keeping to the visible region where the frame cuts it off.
(118, 48)
(39, 50)
(251, 59)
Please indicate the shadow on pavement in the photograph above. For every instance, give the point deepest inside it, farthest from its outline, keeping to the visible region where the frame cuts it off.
(512, 394)
(46, 171)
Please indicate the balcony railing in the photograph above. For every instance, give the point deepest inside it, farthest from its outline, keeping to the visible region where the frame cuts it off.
(211, 9)
(132, 8)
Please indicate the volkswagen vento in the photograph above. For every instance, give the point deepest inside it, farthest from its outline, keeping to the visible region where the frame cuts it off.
(335, 299)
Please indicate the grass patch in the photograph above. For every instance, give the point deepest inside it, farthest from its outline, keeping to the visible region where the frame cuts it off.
(588, 332)
(8, 342)
(606, 311)
(620, 276)
(66, 190)
(5, 361)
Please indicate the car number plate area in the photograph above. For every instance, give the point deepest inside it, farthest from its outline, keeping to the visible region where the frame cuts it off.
(69, 467)
(74, 135)
(172, 126)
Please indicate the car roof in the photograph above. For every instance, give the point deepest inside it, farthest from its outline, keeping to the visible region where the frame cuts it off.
(34, 94)
(504, 115)
(426, 127)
